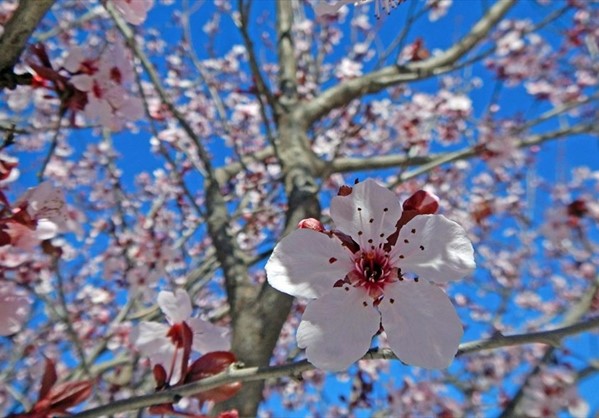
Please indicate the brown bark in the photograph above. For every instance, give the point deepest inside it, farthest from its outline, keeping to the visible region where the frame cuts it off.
(18, 30)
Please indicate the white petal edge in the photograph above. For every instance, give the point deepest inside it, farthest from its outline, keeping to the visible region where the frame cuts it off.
(175, 306)
(434, 248)
(307, 263)
(208, 337)
(368, 201)
(337, 328)
(422, 326)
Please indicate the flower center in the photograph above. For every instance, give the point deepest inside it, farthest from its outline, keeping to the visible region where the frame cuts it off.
(372, 271)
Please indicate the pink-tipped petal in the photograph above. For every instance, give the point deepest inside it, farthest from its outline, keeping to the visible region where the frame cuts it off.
(337, 328)
(367, 213)
(307, 263)
(422, 326)
(434, 248)
(175, 306)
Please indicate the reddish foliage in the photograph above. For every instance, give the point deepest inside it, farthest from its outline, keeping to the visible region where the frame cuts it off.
(57, 399)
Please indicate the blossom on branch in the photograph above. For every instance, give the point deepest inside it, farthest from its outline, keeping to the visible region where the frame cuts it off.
(39, 214)
(104, 81)
(382, 265)
(170, 345)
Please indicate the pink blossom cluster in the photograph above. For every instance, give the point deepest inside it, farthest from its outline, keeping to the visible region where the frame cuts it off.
(39, 214)
(551, 391)
(97, 86)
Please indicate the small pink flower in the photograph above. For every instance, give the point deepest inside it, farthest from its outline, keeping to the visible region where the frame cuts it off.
(134, 11)
(103, 80)
(156, 341)
(39, 214)
(359, 276)
(15, 306)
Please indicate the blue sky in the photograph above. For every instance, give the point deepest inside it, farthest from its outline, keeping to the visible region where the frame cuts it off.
(554, 161)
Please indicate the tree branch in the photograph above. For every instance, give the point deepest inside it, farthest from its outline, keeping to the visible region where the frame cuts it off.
(572, 316)
(393, 74)
(249, 374)
(428, 162)
(18, 30)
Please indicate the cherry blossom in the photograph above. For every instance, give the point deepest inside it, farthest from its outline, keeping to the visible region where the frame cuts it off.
(104, 80)
(134, 11)
(39, 214)
(15, 306)
(160, 342)
(551, 391)
(360, 275)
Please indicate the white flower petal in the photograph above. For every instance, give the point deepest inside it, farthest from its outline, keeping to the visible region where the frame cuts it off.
(208, 337)
(369, 211)
(434, 248)
(150, 338)
(175, 306)
(46, 229)
(74, 59)
(337, 328)
(83, 82)
(307, 263)
(422, 326)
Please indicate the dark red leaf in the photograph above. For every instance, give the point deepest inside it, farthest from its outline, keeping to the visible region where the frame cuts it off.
(48, 379)
(68, 394)
(423, 202)
(159, 376)
(211, 364)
